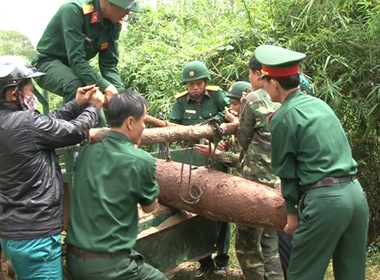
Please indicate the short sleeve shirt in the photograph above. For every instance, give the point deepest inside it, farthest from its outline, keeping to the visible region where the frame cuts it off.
(111, 178)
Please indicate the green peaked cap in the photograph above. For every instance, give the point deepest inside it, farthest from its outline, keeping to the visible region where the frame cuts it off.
(276, 56)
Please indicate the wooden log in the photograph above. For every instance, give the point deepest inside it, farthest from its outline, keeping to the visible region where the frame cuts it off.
(155, 122)
(222, 197)
(171, 133)
(182, 132)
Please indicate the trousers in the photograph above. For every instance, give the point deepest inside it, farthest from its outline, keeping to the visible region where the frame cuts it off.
(333, 224)
(257, 253)
(61, 80)
(35, 259)
(120, 266)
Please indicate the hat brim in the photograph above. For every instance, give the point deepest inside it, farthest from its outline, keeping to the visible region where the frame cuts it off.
(233, 96)
(136, 8)
(36, 74)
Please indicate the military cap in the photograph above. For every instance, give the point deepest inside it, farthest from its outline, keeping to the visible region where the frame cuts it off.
(236, 89)
(305, 84)
(194, 71)
(130, 5)
(278, 62)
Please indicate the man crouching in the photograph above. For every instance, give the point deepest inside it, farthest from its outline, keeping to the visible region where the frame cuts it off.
(111, 178)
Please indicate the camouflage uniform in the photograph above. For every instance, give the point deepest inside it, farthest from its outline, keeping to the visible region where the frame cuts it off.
(232, 156)
(257, 248)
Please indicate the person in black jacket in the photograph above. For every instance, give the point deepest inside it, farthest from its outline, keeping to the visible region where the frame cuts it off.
(31, 186)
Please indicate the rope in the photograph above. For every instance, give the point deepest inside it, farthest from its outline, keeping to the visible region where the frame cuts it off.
(194, 191)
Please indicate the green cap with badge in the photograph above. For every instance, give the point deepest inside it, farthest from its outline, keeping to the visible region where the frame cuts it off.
(130, 5)
(278, 62)
(236, 89)
(194, 71)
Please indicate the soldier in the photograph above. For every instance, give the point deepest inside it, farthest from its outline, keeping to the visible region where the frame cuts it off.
(327, 211)
(31, 187)
(285, 240)
(79, 31)
(228, 151)
(257, 248)
(199, 103)
(111, 178)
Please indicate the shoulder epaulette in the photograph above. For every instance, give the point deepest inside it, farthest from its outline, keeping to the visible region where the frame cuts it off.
(87, 8)
(213, 88)
(179, 95)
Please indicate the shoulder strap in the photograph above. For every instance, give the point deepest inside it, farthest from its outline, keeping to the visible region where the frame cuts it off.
(179, 95)
(87, 8)
(213, 88)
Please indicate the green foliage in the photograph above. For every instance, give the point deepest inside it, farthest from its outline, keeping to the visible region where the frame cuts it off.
(373, 251)
(15, 43)
(159, 42)
(340, 38)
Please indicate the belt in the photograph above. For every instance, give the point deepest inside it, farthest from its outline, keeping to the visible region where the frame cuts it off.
(83, 254)
(328, 181)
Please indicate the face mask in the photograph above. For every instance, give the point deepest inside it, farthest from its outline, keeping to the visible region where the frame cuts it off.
(31, 102)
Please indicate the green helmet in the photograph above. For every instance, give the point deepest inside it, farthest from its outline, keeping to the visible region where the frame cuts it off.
(14, 70)
(305, 84)
(194, 71)
(236, 89)
(130, 5)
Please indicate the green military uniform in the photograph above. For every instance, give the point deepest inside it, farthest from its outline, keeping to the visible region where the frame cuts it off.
(76, 34)
(111, 178)
(285, 240)
(312, 156)
(188, 112)
(339, 212)
(257, 248)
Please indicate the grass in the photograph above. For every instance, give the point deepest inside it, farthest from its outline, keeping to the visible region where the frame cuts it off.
(234, 273)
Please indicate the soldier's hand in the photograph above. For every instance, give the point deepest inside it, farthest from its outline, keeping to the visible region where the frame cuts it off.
(205, 151)
(110, 91)
(97, 99)
(231, 115)
(223, 145)
(244, 94)
(84, 94)
(292, 223)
